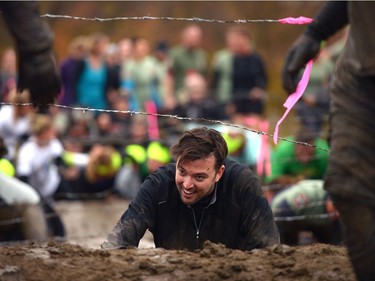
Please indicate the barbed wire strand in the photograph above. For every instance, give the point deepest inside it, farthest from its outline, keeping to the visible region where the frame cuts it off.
(165, 18)
(181, 118)
(277, 218)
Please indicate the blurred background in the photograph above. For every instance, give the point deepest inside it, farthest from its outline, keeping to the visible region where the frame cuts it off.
(271, 39)
(106, 155)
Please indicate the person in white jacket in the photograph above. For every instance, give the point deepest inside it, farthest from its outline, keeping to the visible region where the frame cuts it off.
(36, 166)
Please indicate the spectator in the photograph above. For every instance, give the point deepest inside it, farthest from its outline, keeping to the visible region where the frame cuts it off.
(121, 120)
(36, 166)
(78, 135)
(88, 176)
(35, 162)
(8, 74)
(103, 125)
(18, 200)
(68, 68)
(94, 77)
(221, 84)
(249, 77)
(185, 57)
(6, 167)
(306, 206)
(203, 196)
(243, 146)
(140, 161)
(140, 77)
(292, 162)
(15, 122)
(197, 103)
(313, 107)
(113, 61)
(125, 49)
(139, 129)
(164, 83)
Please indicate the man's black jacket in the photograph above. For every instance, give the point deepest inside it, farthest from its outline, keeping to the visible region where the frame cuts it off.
(238, 216)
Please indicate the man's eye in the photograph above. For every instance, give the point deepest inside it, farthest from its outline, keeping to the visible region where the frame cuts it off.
(181, 172)
(200, 178)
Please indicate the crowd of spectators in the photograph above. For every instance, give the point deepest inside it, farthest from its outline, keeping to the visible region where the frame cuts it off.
(84, 154)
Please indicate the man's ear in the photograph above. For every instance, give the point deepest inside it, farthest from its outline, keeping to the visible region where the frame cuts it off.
(220, 173)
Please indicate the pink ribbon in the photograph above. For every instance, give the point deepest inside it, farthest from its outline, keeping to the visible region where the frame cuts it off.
(299, 20)
(293, 98)
(153, 128)
(264, 158)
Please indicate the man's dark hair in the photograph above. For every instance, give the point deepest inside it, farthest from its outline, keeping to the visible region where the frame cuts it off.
(200, 143)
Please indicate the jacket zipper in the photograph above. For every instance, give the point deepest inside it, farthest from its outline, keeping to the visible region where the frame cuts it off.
(197, 227)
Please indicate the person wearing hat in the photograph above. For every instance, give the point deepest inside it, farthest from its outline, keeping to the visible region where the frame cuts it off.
(139, 162)
(88, 176)
(202, 196)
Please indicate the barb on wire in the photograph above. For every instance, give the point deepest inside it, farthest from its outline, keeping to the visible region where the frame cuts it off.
(193, 19)
(203, 120)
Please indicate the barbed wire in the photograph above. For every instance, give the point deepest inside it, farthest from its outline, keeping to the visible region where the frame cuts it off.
(22, 219)
(308, 217)
(322, 216)
(277, 218)
(163, 18)
(181, 118)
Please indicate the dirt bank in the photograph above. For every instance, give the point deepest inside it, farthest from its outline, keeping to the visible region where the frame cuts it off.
(57, 261)
(87, 224)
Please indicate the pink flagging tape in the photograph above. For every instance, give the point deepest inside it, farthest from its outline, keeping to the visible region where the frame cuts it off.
(293, 98)
(153, 128)
(299, 20)
(264, 158)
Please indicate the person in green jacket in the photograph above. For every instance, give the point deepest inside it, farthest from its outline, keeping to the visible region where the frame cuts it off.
(291, 162)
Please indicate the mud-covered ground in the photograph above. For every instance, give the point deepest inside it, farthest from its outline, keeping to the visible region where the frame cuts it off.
(80, 258)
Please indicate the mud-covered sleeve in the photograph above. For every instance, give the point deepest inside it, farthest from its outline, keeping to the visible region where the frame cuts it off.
(133, 224)
(332, 17)
(31, 34)
(258, 225)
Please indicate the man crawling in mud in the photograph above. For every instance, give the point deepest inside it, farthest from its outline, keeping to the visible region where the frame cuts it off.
(203, 196)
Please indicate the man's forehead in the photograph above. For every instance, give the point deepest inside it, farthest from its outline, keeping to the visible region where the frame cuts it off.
(204, 165)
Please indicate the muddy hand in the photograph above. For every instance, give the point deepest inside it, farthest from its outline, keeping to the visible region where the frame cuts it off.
(304, 49)
(38, 73)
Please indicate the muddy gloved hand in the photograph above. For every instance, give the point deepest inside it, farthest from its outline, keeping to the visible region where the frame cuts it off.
(34, 44)
(303, 50)
(38, 73)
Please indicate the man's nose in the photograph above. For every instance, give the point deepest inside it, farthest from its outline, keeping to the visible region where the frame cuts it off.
(188, 183)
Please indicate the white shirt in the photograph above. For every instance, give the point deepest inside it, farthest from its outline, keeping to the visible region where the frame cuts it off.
(11, 130)
(36, 163)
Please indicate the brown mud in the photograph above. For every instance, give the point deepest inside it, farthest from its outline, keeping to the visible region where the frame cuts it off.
(80, 258)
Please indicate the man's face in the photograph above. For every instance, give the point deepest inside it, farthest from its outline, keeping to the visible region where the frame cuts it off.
(196, 179)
